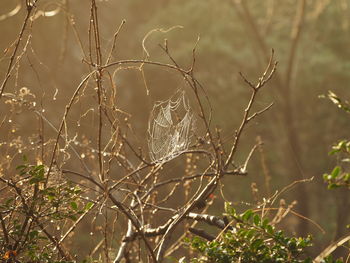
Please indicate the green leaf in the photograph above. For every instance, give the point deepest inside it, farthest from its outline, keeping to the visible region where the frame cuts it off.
(256, 220)
(257, 243)
(21, 167)
(36, 179)
(73, 217)
(88, 206)
(333, 186)
(269, 229)
(247, 215)
(265, 223)
(74, 205)
(335, 172)
(229, 209)
(250, 233)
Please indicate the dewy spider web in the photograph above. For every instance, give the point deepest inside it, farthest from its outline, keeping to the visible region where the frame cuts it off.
(168, 133)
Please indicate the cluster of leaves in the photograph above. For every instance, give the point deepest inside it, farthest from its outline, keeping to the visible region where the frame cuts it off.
(251, 238)
(61, 198)
(31, 217)
(339, 177)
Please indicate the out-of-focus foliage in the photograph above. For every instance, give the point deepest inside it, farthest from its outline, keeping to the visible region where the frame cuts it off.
(337, 178)
(339, 175)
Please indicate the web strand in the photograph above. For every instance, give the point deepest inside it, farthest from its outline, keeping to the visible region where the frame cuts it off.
(168, 133)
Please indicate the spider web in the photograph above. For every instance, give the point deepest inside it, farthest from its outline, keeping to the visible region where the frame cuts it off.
(169, 128)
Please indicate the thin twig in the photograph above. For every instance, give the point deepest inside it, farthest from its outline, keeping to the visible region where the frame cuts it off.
(30, 8)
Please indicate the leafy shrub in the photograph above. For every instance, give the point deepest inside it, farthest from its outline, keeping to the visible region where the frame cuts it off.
(250, 238)
(37, 200)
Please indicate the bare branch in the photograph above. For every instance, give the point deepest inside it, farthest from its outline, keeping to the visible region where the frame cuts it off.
(30, 8)
(201, 233)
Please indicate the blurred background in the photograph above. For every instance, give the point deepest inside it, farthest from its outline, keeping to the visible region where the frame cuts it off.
(311, 43)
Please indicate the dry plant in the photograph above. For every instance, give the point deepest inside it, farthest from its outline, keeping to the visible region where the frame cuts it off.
(108, 181)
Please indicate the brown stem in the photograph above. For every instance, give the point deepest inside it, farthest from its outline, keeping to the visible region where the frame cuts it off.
(30, 8)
